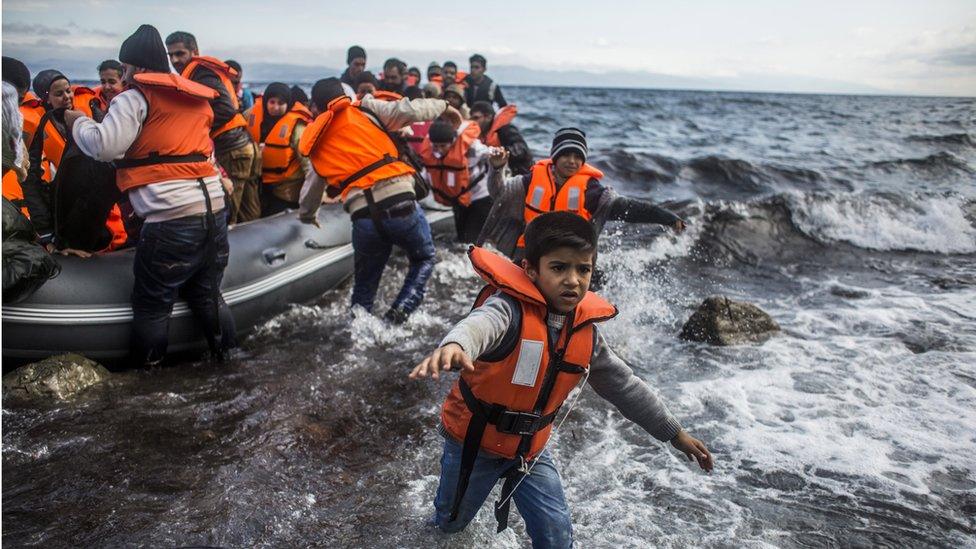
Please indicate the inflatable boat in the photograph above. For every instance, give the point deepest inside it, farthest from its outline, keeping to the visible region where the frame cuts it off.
(273, 262)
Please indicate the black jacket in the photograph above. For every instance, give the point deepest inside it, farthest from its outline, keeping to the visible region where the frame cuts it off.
(223, 109)
(486, 90)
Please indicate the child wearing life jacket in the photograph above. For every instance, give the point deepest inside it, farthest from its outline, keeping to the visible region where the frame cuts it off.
(562, 182)
(531, 339)
(456, 163)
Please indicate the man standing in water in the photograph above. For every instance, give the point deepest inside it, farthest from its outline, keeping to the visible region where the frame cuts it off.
(235, 150)
(354, 158)
(157, 134)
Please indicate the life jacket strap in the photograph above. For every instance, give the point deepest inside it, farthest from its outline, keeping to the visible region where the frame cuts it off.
(156, 158)
(525, 424)
(386, 160)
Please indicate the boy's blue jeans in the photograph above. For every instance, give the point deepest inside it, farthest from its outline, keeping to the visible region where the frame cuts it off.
(412, 234)
(539, 499)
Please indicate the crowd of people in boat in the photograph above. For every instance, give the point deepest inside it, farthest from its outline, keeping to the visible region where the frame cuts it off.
(165, 160)
(126, 164)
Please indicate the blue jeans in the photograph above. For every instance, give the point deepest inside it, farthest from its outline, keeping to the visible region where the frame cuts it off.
(173, 260)
(539, 499)
(412, 234)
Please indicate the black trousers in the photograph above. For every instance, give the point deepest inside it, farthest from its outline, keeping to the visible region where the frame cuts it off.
(469, 220)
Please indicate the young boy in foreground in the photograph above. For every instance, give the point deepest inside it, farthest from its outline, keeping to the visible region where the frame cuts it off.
(529, 341)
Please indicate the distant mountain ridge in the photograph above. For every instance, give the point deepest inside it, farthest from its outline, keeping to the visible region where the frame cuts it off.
(260, 72)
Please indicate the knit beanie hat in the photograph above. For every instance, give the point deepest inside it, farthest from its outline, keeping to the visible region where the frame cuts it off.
(355, 52)
(15, 72)
(144, 49)
(44, 80)
(456, 90)
(441, 131)
(568, 139)
(325, 90)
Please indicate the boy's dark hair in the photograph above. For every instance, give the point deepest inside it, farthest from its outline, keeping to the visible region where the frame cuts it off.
(478, 58)
(450, 64)
(483, 107)
(110, 65)
(367, 77)
(183, 37)
(554, 230)
(235, 65)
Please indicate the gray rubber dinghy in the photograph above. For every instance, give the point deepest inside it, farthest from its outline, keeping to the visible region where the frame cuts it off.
(273, 262)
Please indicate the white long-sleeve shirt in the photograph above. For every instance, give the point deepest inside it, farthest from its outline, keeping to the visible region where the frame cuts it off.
(110, 139)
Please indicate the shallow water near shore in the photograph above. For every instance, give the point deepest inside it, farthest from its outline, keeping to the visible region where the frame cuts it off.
(851, 220)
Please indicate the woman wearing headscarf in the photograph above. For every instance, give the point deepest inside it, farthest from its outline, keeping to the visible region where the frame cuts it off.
(48, 145)
(276, 122)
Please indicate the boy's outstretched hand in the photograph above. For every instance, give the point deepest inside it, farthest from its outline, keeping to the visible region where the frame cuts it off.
(694, 449)
(443, 358)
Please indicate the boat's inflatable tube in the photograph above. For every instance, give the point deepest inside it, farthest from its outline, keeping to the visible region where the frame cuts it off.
(273, 262)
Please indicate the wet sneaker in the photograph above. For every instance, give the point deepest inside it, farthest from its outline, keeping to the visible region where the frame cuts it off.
(396, 316)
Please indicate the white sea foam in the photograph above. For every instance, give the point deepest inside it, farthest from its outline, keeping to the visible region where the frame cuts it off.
(878, 222)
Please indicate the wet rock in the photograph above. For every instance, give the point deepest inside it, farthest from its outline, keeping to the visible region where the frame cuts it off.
(722, 321)
(61, 377)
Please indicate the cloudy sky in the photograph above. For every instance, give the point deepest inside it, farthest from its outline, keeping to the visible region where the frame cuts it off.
(893, 46)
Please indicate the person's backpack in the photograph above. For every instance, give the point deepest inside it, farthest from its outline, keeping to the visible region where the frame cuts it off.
(26, 265)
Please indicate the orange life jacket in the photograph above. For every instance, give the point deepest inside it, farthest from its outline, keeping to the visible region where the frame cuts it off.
(450, 177)
(349, 150)
(278, 160)
(13, 192)
(503, 117)
(514, 394)
(32, 109)
(541, 196)
(53, 148)
(117, 228)
(84, 98)
(223, 72)
(174, 141)
(411, 80)
(437, 79)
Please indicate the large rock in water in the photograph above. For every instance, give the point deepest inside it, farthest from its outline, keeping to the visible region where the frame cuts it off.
(722, 321)
(61, 376)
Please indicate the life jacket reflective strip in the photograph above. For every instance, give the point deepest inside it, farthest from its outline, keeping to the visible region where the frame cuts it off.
(13, 192)
(174, 141)
(503, 117)
(541, 196)
(506, 406)
(348, 150)
(278, 160)
(450, 176)
(223, 72)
